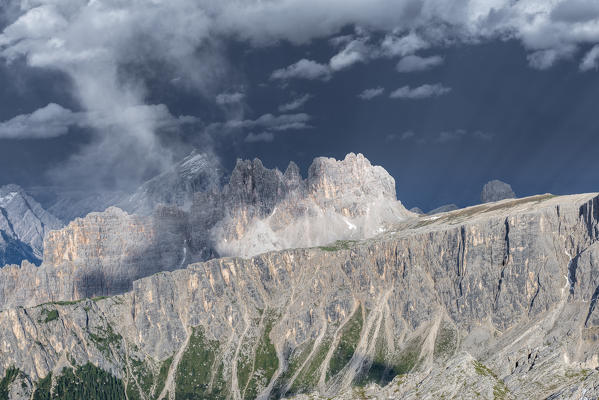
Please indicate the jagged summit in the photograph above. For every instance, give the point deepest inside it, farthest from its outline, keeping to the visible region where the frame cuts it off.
(198, 172)
(268, 210)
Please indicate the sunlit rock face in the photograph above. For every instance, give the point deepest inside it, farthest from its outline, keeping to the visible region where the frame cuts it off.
(492, 301)
(101, 254)
(23, 226)
(269, 210)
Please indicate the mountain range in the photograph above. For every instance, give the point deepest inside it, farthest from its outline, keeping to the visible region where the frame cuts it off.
(276, 286)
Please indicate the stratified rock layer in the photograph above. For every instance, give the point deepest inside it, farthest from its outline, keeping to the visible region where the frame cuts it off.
(503, 294)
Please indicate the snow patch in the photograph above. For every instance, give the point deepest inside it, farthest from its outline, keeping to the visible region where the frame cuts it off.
(350, 225)
(6, 199)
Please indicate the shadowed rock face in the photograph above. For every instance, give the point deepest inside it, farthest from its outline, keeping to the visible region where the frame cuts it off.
(23, 226)
(496, 190)
(503, 294)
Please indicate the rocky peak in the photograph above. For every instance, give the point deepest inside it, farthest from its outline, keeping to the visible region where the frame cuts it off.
(24, 223)
(252, 184)
(354, 174)
(198, 172)
(293, 176)
(267, 210)
(496, 190)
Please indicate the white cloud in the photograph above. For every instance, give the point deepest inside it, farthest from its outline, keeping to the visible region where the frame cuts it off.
(344, 59)
(91, 42)
(394, 45)
(450, 136)
(54, 120)
(259, 137)
(414, 63)
(269, 122)
(590, 60)
(303, 69)
(229, 98)
(50, 121)
(370, 94)
(545, 59)
(355, 51)
(411, 26)
(295, 103)
(420, 92)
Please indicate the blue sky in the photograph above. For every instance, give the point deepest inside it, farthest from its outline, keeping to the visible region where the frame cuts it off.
(444, 98)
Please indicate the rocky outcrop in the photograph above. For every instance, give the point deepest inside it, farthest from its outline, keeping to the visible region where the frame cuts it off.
(504, 294)
(23, 226)
(267, 210)
(496, 190)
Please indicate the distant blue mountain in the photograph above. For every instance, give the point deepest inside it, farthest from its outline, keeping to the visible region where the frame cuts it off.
(23, 225)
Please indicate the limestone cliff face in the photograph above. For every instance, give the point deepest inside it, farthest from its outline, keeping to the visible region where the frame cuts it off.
(503, 293)
(99, 255)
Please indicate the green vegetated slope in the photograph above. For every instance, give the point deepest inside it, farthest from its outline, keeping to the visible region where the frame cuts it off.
(203, 371)
(84, 382)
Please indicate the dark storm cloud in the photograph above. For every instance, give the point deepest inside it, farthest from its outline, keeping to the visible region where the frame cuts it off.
(106, 47)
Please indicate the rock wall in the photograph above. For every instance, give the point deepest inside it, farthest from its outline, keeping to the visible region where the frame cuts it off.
(504, 292)
(99, 255)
